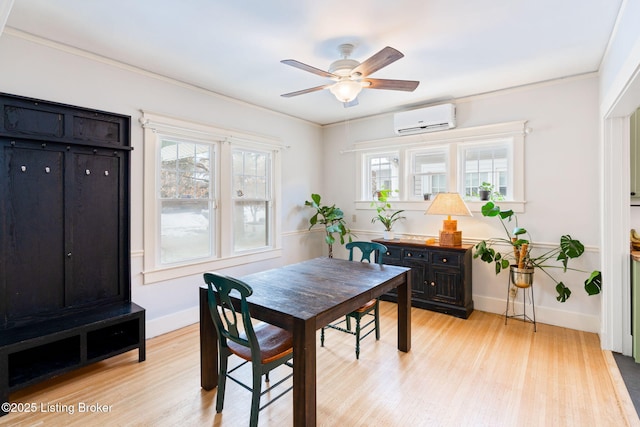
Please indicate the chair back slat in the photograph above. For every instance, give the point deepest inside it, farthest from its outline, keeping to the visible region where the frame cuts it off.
(367, 248)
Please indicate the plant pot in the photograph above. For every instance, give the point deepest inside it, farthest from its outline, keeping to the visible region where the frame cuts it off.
(521, 277)
(427, 196)
(388, 235)
(485, 194)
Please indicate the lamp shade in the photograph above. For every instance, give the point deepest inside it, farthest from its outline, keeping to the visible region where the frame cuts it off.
(346, 90)
(448, 204)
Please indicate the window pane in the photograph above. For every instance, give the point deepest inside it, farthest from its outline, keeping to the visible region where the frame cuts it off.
(251, 199)
(429, 170)
(185, 201)
(250, 220)
(185, 230)
(486, 164)
(383, 174)
(185, 170)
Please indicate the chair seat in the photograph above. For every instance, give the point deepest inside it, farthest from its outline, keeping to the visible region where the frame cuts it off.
(274, 342)
(365, 308)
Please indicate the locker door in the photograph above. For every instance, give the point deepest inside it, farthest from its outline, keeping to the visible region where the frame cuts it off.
(94, 220)
(32, 223)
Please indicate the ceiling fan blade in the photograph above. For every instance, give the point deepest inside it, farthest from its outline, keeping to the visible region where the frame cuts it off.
(406, 85)
(309, 68)
(381, 59)
(303, 91)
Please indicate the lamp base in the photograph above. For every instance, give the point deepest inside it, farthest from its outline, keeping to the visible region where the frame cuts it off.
(450, 238)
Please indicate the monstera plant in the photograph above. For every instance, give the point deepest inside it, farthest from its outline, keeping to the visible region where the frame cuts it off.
(520, 244)
(333, 220)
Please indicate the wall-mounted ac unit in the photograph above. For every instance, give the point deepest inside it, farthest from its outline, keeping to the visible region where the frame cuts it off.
(430, 119)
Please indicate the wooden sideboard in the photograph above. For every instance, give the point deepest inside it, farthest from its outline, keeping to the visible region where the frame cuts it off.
(441, 275)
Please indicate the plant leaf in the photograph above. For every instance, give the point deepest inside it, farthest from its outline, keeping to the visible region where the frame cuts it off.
(593, 285)
(563, 292)
(519, 230)
(570, 247)
(506, 214)
(490, 209)
(316, 199)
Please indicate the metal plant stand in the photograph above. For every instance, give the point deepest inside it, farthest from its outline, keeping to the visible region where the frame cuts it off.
(521, 278)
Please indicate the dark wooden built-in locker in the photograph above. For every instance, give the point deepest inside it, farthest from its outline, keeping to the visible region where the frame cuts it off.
(65, 275)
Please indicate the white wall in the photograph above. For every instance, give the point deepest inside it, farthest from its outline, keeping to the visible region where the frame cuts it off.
(55, 73)
(619, 97)
(561, 182)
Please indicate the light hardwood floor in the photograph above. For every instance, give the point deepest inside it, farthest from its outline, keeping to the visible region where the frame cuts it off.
(475, 372)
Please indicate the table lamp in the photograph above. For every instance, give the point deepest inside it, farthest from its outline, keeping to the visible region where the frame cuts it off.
(449, 204)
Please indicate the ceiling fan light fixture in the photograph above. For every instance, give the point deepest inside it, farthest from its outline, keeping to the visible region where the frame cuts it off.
(346, 90)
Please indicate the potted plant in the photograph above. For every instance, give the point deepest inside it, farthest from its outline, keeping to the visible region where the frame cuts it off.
(385, 214)
(333, 220)
(521, 261)
(484, 190)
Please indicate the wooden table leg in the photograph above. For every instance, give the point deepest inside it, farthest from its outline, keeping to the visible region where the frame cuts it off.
(208, 346)
(404, 314)
(304, 373)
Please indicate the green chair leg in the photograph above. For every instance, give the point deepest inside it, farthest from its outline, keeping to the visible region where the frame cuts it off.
(255, 398)
(222, 381)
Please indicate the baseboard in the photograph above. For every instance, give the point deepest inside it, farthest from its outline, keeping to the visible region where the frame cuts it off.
(171, 322)
(549, 316)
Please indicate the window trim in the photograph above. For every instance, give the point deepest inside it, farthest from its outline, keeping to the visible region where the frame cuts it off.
(153, 125)
(515, 129)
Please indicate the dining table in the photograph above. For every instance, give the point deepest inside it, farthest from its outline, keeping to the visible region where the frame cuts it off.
(303, 298)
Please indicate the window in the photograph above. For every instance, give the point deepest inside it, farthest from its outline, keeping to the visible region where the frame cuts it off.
(428, 172)
(486, 162)
(251, 199)
(382, 173)
(209, 198)
(457, 160)
(186, 200)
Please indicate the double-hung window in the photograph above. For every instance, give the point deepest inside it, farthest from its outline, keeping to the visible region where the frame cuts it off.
(209, 198)
(251, 199)
(185, 199)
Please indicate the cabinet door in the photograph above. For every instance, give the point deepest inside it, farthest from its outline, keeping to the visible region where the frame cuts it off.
(32, 228)
(444, 285)
(417, 261)
(94, 212)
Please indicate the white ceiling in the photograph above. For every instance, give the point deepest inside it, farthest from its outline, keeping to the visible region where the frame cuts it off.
(455, 48)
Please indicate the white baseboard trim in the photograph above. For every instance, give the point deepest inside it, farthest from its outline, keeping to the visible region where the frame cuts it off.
(549, 316)
(171, 322)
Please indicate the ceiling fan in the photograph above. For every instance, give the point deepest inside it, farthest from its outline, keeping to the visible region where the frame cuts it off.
(351, 76)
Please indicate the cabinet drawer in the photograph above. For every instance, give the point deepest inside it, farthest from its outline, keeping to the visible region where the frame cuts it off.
(392, 256)
(445, 259)
(408, 254)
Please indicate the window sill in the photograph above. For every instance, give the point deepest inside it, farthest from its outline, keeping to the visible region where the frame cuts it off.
(175, 272)
(422, 205)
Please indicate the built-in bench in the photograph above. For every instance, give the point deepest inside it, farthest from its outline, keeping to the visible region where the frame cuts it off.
(39, 351)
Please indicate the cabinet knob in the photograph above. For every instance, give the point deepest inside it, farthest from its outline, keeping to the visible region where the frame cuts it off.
(433, 283)
(68, 254)
(444, 260)
(388, 253)
(409, 254)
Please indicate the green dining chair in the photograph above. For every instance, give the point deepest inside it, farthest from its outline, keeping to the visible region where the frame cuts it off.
(265, 346)
(371, 308)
